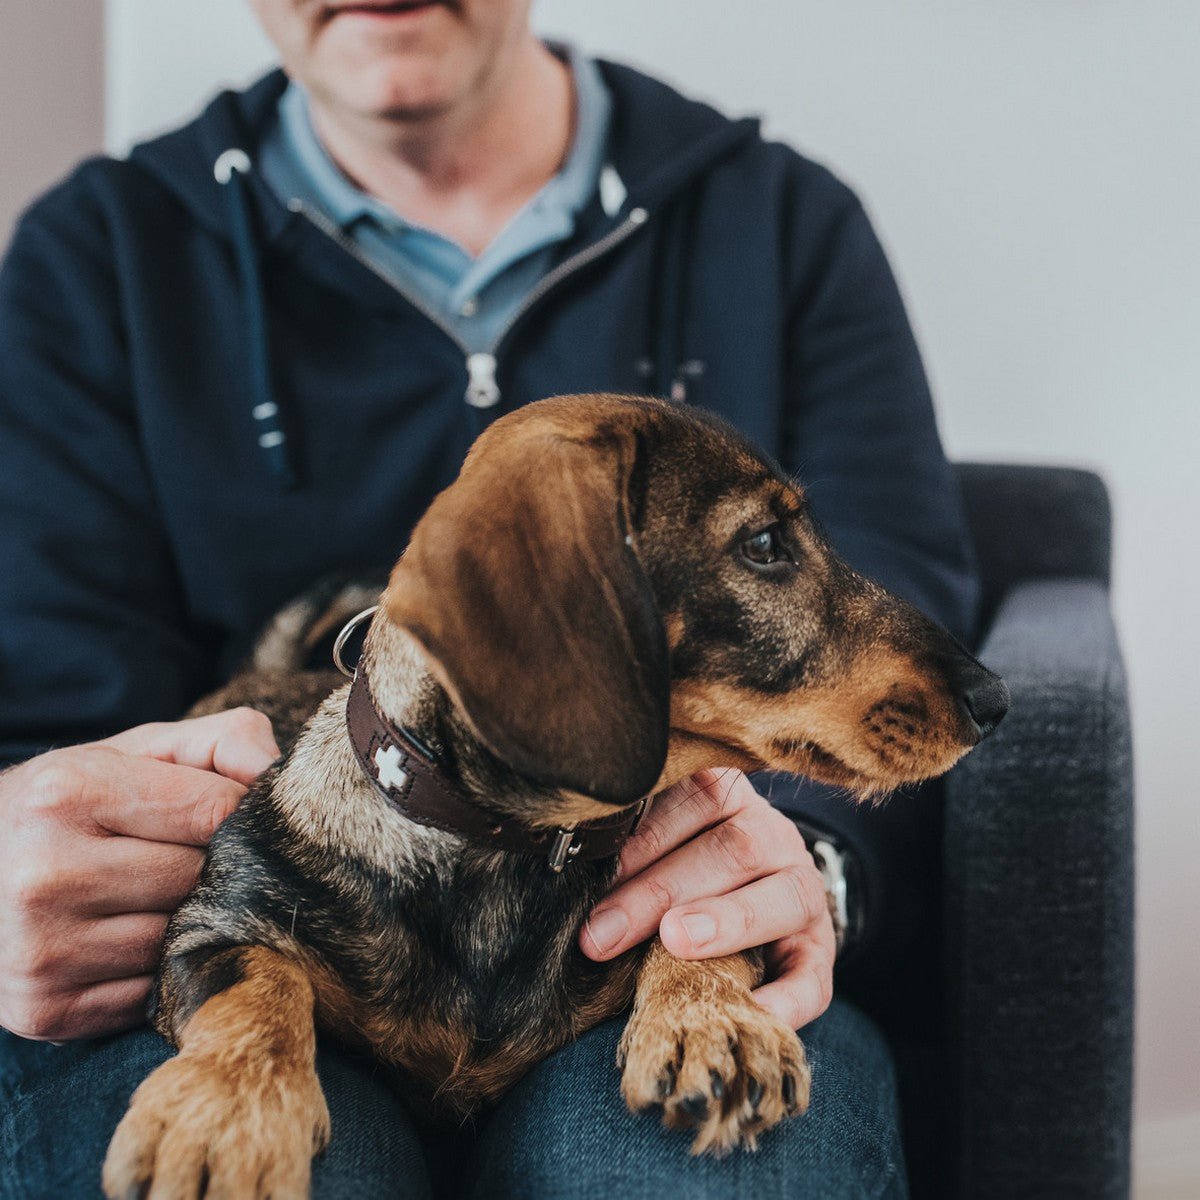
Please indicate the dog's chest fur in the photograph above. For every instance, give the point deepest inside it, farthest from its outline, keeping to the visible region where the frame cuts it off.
(458, 964)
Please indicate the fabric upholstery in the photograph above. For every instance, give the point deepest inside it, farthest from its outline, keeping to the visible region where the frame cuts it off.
(1038, 860)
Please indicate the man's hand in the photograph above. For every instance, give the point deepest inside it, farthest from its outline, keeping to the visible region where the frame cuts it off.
(714, 869)
(99, 844)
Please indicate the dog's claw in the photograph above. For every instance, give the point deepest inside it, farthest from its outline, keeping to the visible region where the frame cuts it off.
(722, 1059)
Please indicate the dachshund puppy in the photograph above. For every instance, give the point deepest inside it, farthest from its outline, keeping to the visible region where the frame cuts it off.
(614, 594)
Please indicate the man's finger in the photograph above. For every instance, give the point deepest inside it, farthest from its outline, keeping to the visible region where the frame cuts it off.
(113, 948)
(165, 873)
(770, 908)
(101, 1008)
(238, 744)
(156, 801)
(725, 857)
(802, 990)
(682, 811)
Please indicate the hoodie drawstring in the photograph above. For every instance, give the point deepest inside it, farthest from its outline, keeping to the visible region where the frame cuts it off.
(663, 368)
(230, 170)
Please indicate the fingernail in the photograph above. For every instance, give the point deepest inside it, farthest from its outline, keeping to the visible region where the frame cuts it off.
(606, 928)
(699, 927)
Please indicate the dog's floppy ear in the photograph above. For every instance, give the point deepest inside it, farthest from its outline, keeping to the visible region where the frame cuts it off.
(522, 585)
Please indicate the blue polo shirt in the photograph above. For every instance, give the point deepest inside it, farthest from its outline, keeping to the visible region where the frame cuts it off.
(475, 297)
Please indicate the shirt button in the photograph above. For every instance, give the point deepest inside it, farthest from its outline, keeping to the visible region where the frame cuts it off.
(468, 308)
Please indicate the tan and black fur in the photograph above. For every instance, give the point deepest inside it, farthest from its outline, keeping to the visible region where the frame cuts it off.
(585, 616)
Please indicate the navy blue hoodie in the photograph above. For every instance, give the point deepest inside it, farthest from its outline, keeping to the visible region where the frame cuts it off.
(154, 323)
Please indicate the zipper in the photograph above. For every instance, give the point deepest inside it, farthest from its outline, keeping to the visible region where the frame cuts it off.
(482, 389)
(333, 230)
(632, 223)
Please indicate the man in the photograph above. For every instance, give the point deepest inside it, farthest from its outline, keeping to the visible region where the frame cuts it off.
(248, 358)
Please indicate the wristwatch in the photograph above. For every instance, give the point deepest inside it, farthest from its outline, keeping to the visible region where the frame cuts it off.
(839, 869)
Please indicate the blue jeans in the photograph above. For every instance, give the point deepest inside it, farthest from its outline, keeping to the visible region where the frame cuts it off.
(562, 1133)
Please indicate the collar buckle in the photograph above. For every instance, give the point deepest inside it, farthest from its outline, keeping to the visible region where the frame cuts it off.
(564, 848)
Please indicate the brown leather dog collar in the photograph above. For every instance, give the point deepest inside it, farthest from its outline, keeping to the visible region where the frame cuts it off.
(408, 778)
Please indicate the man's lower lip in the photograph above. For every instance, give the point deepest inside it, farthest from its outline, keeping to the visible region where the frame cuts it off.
(381, 12)
(396, 10)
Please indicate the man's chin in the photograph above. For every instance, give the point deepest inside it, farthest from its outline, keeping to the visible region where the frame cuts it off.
(405, 88)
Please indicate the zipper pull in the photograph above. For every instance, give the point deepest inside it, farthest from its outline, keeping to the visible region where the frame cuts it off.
(482, 391)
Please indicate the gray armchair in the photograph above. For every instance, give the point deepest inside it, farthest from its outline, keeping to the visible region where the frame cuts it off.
(1038, 864)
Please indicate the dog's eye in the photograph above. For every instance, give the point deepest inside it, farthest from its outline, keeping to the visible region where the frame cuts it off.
(764, 547)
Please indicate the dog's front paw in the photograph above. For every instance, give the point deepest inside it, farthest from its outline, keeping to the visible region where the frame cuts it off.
(202, 1125)
(718, 1064)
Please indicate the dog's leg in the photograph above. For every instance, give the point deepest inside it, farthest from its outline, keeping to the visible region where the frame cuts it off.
(699, 1046)
(239, 1111)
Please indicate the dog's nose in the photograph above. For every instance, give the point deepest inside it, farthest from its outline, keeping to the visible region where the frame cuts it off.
(984, 697)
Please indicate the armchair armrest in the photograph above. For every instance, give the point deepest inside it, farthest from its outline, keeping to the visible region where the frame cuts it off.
(1039, 894)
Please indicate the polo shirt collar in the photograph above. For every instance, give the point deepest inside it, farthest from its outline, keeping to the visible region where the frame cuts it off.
(567, 193)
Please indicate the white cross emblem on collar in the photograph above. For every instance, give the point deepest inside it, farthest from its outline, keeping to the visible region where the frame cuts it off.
(387, 762)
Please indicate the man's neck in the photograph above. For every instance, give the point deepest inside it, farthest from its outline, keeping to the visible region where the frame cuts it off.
(464, 172)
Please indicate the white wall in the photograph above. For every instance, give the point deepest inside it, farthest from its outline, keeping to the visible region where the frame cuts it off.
(165, 60)
(1033, 167)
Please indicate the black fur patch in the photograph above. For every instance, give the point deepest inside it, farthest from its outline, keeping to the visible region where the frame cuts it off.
(198, 976)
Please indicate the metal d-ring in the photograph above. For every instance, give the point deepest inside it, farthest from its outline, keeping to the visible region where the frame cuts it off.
(342, 638)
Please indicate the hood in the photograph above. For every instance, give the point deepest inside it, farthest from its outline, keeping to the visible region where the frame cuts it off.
(659, 141)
